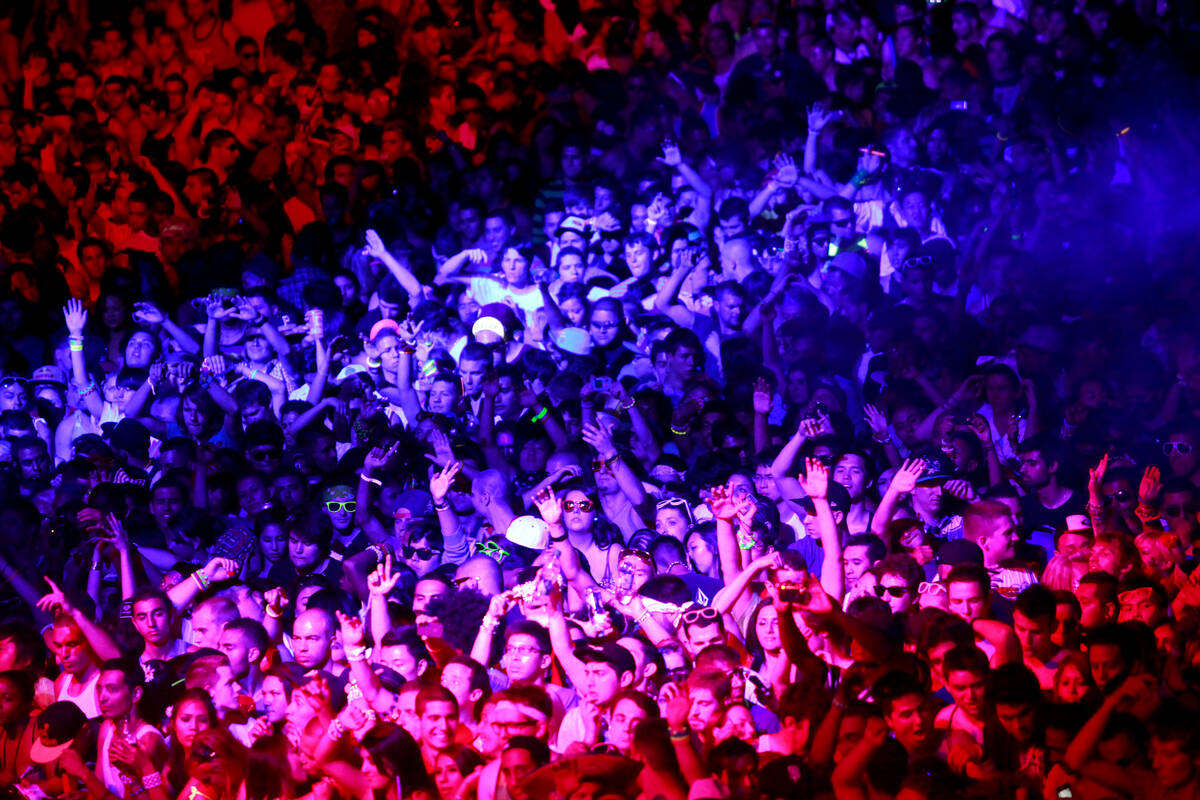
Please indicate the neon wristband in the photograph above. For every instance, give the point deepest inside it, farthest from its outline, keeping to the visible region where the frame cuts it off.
(541, 415)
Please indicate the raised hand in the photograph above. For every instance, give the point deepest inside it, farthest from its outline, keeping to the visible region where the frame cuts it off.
(982, 430)
(476, 255)
(876, 420)
(439, 484)
(352, 630)
(815, 480)
(905, 479)
(762, 397)
(54, 600)
(1096, 477)
(962, 490)
(549, 506)
(75, 315)
(379, 457)
(382, 580)
(819, 116)
(671, 156)
(599, 436)
(786, 173)
(722, 504)
(1150, 487)
(276, 600)
(119, 538)
(148, 314)
(221, 569)
(217, 310)
(675, 698)
(374, 244)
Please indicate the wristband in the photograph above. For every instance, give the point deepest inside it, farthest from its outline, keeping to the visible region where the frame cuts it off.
(641, 618)
(374, 363)
(358, 653)
(678, 736)
(679, 431)
(272, 613)
(882, 438)
(629, 405)
(859, 178)
(152, 781)
(368, 479)
(442, 506)
(76, 345)
(541, 415)
(490, 623)
(202, 580)
(253, 372)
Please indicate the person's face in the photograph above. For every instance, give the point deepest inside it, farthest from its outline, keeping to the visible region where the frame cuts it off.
(968, 600)
(225, 691)
(438, 724)
(472, 373)
(700, 554)
(442, 397)
(399, 658)
(206, 631)
(601, 683)
(896, 593)
(515, 764)
(311, 640)
(909, 721)
(670, 521)
(447, 776)
(625, 717)
(684, 362)
(457, 678)
(1071, 685)
(290, 492)
(969, 690)
(13, 396)
(273, 699)
(570, 268)
(1105, 558)
(152, 621)
(700, 636)
(113, 695)
(1035, 635)
(730, 310)
(1066, 626)
(190, 719)
(766, 628)
(999, 542)
(1019, 720)
(496, 232)
(241, 658)
(851, 472)
(637, 258)
(304, 554)
(1075, 547)
(704, 710)
(579, 512)
(1106, 663)
(855, 563)
(1141, 605)
(425, 593)
(604, 327)
(33, 462)
(1035, 471)
(523, 660)
(252, 494)
(1095, 610)
(1000, 392)
(572, 162)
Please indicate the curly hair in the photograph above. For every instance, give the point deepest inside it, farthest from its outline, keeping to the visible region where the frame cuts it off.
(461, 614)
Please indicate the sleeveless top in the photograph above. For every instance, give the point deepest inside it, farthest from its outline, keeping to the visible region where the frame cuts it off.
(85, 699)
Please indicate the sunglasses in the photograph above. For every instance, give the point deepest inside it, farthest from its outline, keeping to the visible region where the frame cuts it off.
(583, 506)
(493, 551)
(1117, 497)
(263, 453)
(927, 587)
(340, 505)
(893, 591)
(1177, 448)
(420, 553)
(693, 615)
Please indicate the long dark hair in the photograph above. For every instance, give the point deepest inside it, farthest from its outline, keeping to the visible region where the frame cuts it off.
(268, 776)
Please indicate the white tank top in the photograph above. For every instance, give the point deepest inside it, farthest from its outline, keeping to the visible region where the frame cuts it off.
(85, 698)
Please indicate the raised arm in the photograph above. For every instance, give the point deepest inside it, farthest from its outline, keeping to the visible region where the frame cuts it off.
(376, 249)
(100, 640)
(673, 157)
(76, 316)
(815, 483)
(904, 481)
(448, 271)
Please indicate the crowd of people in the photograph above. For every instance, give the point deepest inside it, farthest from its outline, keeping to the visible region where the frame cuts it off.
(599, 399)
